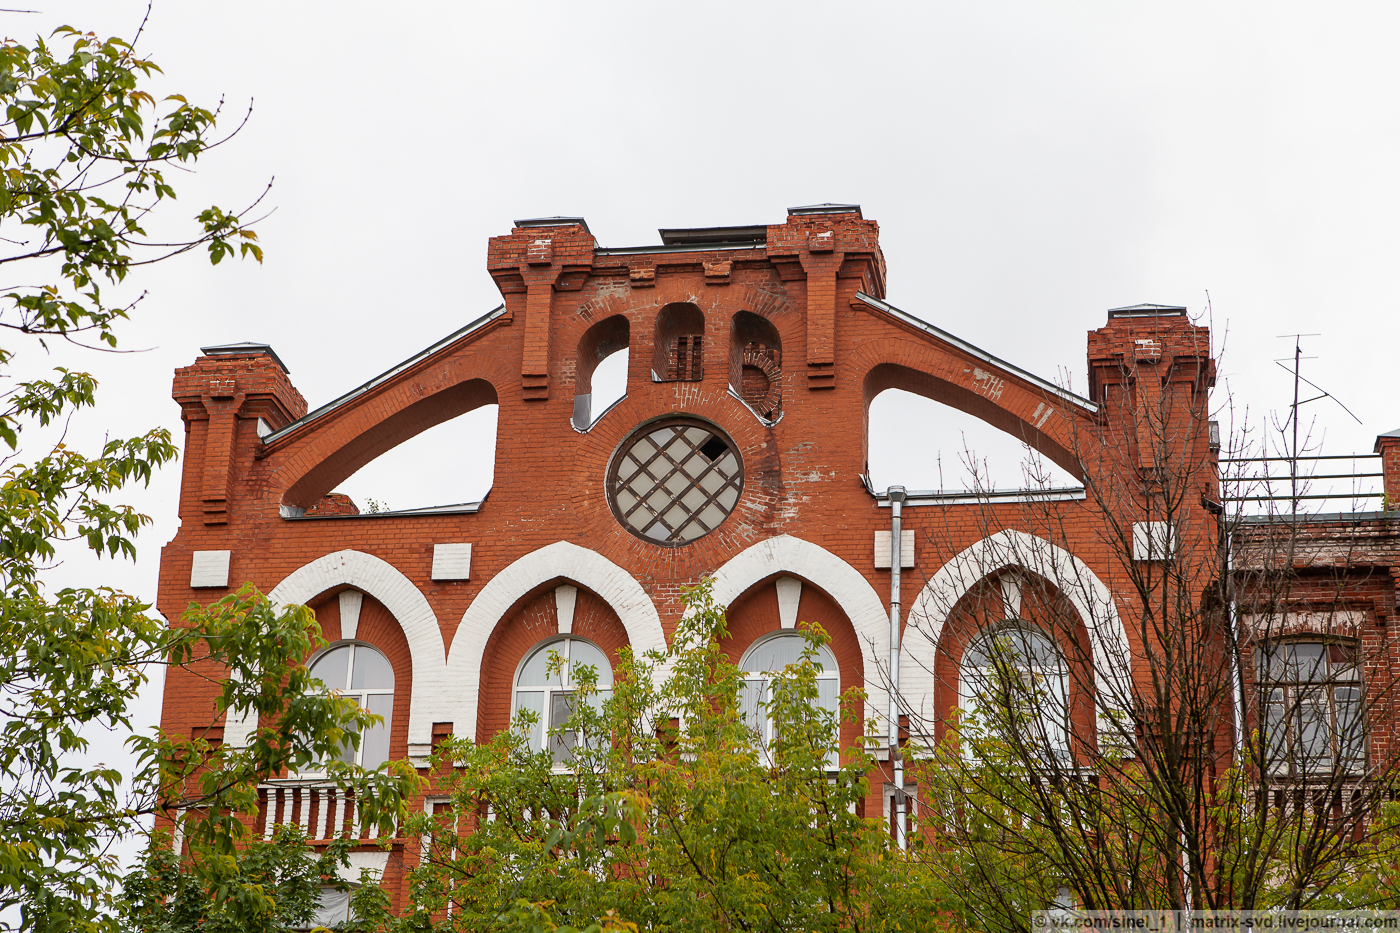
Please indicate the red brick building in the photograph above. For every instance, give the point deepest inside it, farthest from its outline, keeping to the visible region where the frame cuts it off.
(738, 451)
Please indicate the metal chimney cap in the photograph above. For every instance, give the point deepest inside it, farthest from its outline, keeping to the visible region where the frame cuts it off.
(245, 348)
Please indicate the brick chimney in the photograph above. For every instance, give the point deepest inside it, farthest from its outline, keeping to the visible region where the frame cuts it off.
(1151, 369)
(1388, 446)
(233, 396)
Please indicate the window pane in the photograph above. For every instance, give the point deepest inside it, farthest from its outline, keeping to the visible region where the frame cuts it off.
(371, 669)
(751, 699)
(1037, 648)
(1314, 732)
(332, 908)
(533, 701)
(1016, 646)
(1054, 690)
(1014, 670)
(1351, 735)
(331, 668)
(582, 652)
(596, 700)
(1306, 661)
(774, 654)
(533, 673)
(1342, 657)
(561, 707)
(827, 696)
(1275, 734)
(374, 745)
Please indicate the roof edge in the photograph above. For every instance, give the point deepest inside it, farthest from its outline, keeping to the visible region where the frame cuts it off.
(443, 344)
(1064, 394)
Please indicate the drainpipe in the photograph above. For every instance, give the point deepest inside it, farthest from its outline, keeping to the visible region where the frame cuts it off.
(896, 497)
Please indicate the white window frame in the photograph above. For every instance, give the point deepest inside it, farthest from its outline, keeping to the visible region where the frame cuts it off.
(360, 695)
(761, 680)
(563, 685)
(970, 701)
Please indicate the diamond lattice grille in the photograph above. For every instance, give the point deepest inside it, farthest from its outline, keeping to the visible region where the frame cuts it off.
(677, 482)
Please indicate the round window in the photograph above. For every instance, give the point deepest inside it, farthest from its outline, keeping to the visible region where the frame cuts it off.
(675, 481)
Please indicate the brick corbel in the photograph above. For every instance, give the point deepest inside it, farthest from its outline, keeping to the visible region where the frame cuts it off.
(821, 263)
(539, 260)
(534, 364)
(219, 447)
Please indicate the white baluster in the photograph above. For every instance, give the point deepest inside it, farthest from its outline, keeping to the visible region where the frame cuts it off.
(304, 795)
(271, 812)
(339, 814)
(322, 814)
(178, 837)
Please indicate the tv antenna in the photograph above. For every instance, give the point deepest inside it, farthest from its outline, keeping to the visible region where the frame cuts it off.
(1298, 379)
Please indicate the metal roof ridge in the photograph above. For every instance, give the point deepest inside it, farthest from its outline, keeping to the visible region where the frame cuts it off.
(978, 352)
(385, 376)
(678, 248)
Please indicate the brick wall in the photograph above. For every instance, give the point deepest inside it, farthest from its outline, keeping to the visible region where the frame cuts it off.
(810, 293)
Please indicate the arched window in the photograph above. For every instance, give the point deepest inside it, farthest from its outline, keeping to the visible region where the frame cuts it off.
(679, 352)
(600, 342)
(356, 670)
(755, 364)
(550, 695)
(1014, 677)
(1311, 697)
(767, 659)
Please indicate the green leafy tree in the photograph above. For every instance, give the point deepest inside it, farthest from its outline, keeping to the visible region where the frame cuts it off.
(84, 152)
(671, 814)
(164, 897)
(1171, 786)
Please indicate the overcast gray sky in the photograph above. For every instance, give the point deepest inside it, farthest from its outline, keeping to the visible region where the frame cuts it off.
(1030, 164)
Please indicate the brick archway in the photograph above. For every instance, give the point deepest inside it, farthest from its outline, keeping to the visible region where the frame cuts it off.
(784, 602)
(405, 602)
(1057, 423)
(345, 444)
(561, 560)
(1089, 596)
(842, 582)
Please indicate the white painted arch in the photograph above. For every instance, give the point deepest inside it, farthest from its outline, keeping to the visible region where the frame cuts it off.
(842, 582)
(1090, 597)
(405, 602)
(560, 560)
